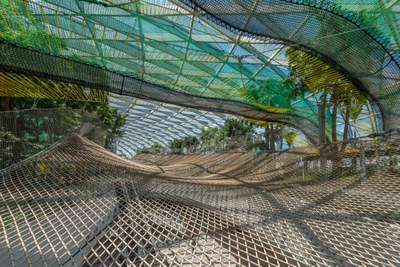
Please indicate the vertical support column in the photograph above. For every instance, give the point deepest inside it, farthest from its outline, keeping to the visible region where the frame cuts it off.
(362, 165)
(303, 169)
(377, 160)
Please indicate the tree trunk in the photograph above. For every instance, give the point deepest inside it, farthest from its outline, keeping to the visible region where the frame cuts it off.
(336, 167)
(266, 135)
(272, 138)
(346, 122)
(322, 119)
(5, 103)
(334, 116)
(322, 134)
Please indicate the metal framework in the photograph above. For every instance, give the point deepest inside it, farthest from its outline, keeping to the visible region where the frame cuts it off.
(152, 122)
(168, 44)
(359, 39)
(174, 66)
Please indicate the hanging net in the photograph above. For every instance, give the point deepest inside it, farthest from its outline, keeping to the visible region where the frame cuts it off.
(177, 51)
(65, 200)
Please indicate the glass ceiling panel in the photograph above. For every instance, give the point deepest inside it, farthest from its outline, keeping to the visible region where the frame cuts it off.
(171, 45)
(159, 123)
(151, 122)
(360, 38)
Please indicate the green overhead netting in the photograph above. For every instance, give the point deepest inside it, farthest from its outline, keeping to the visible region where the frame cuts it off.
(171, 47)
(359, 39)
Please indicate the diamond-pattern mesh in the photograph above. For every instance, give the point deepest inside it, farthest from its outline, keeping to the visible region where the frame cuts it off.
(75, 204)
(177, 51)
(88, 207)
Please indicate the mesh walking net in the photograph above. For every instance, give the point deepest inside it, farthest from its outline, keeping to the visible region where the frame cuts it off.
(328, 69)
(76, 204)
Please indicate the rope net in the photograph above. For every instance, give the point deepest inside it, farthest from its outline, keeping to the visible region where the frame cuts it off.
(65, 200)
(141, 48)
(25, 133)
(77, 204)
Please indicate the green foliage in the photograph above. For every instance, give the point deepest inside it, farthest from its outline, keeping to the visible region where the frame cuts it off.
(17, 25)
(275, 92)
(144, 150)
(236, 127)
(113, 121)
(316, 76)
(19, 103)
(356, 107)
(210, 138)
(25, 133)
(189, 141)
(289, 137)
(235, 134)
(110, 117)
(7, 141)
(156, 148)
(208, 134)
(176, 145)
(33, 130)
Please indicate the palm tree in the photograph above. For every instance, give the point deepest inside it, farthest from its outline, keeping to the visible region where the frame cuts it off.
(289, 137)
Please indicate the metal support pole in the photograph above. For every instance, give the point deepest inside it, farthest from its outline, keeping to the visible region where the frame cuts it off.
(362, 165)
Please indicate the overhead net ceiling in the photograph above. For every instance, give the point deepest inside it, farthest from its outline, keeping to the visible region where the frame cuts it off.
(358, 38)
(75, 203)
(142, 48)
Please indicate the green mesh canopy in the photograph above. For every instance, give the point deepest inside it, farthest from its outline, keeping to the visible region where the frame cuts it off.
(209, 89)
(143, 48)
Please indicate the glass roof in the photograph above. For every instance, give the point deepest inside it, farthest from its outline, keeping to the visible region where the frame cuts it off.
(358, 38)
(176, 46)
(151, 122)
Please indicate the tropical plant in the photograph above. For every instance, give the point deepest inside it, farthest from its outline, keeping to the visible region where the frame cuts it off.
(237, 127)
(209, 138)
(156, 148)
(176, 145)
(114, 122)
(289, 137)
(18, 25)
(190, 143)
(208, 134)
(274, 94)
(331, 88)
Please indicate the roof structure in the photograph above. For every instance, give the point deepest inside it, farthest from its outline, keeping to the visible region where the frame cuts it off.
(175, 66)
(177, 51)
(361, 40)
(150, 122)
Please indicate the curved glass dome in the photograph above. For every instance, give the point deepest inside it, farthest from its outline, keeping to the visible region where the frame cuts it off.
(171, 51)
(152, 122)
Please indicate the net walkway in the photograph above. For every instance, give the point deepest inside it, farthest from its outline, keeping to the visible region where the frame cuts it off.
(77, 204)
